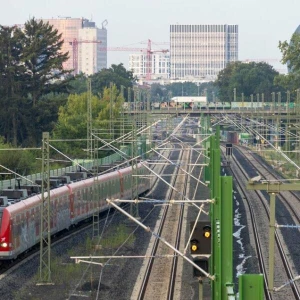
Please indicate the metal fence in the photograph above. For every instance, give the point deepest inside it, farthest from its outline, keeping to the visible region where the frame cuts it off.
(87, 164)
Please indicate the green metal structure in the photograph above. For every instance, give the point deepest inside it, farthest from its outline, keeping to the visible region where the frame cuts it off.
(45, 237)
(221, 216)
(251, 286)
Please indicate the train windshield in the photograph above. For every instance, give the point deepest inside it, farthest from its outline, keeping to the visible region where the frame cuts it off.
(0, 218)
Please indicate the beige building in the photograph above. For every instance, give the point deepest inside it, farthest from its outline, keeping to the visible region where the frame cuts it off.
(92, 46)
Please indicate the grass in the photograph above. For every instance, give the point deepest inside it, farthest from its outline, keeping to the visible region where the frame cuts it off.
(65, 273)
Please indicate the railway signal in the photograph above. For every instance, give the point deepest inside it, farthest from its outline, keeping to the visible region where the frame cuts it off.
(228, 149)
(201, 262)
(201, 238)
(200, 245)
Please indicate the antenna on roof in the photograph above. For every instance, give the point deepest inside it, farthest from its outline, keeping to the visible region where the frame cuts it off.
(104, 23)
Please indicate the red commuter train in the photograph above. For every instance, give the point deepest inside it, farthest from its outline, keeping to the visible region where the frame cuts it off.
(70, 204)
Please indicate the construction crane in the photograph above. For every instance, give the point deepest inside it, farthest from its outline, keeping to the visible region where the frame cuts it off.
(74, 44)
(149, 59)
(147, 50)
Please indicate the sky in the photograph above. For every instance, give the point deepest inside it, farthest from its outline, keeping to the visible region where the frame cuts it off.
(262, 23)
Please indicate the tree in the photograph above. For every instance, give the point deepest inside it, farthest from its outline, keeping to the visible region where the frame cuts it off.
(20, 161)
(43, 59)
(30, 67)
(291, 57)
(247, 78)
(158, 93)
(72, 122)
(72, 119)
(46, 112)
(78, 84)
(12, 88)
(116, 74)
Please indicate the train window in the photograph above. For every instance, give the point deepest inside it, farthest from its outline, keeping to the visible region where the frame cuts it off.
(1, 218)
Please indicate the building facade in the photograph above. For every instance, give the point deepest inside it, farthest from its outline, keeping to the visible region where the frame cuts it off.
(160, 65)
(201, 51)
(69, 28)
(81, 40)
(92, 48)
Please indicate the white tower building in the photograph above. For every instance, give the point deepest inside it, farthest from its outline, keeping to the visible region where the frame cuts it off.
(202, 51)
(160, 65)
(92, 48)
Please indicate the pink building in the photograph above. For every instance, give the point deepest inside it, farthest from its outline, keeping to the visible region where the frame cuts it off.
(69, 28)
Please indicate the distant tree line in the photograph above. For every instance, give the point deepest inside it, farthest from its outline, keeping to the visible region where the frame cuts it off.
(247, 78)
(257, 78)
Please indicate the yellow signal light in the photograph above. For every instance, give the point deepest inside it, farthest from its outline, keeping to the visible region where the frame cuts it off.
(194, 247)
(207, 234)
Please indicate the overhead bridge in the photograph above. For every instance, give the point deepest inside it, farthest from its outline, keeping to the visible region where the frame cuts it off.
(198, 112)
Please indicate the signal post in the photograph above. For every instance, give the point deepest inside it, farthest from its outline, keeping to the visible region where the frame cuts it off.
(218, 258)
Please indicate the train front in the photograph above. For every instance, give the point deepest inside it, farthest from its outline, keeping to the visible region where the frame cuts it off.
(5, 243)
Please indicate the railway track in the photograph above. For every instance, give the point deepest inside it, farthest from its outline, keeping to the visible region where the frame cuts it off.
(7, 266)
(159, 279)
(291, 216)
(260, 228)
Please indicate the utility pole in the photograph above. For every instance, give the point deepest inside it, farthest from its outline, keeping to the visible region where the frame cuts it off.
(288, 125)
(272, 188)
(265, 122)
(111, 112)
(134, 209)
(234, 94)
(129, 98)
(45, 225)
(273, 102)
(96, 193)
(89, 120)
(278, 127)
(148, 101)
(297, 111)
(122, 115)
(251, 121)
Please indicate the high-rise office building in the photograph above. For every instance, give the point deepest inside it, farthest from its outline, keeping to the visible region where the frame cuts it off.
(202, 51)
(69, 28)
(82, 40)
(92, 48)
(160, 65)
